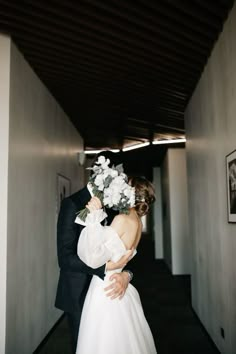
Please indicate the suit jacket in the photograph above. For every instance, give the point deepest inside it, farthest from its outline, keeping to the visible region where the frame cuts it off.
(75, 276)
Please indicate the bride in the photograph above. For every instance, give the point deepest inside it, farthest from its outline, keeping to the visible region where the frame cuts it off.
(114, 326)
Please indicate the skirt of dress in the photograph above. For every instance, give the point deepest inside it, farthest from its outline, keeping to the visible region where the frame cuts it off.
(113, 326)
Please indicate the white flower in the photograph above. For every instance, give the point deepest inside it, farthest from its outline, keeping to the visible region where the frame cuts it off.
(116, 198)
(113, 173)
(127, 192)
(99, 182)
(105, 175)
(101, 187)
(118, 182)
(123, 175)
(105, 164)
(101, 160)
(132, 200)
(107, 201)
(112, 183)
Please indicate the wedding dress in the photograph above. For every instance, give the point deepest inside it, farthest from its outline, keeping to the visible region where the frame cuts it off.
(109, 326)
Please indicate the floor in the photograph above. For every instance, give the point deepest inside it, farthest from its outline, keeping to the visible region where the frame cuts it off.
(167, 306)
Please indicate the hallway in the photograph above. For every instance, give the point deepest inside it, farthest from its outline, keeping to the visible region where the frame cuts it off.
(154, 81)
(166, 302)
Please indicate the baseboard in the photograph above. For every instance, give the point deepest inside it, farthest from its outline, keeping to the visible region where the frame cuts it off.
(44, 341)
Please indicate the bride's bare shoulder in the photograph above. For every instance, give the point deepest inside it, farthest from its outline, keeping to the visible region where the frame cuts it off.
(120, 220)
(123, 223)
(123, 219)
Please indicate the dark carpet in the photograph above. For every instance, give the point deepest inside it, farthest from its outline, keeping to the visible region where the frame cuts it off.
(166, 301)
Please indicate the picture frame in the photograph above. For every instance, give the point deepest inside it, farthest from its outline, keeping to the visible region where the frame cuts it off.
(63, 189)
(231, 186)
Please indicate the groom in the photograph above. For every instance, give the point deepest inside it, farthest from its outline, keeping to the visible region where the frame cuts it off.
(75, 276)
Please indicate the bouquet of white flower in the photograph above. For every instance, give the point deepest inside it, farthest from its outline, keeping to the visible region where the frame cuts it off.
(110, 185)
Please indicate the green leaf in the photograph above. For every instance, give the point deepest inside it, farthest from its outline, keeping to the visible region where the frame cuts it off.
(120, 168)
(83, 214)
(107, 181)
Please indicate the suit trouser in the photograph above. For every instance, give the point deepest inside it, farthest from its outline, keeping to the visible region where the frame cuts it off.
(74, 322)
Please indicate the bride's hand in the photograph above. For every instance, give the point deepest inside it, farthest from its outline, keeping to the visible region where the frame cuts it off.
(94, 204)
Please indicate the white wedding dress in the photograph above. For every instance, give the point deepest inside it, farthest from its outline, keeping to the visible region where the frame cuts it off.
(109, 326)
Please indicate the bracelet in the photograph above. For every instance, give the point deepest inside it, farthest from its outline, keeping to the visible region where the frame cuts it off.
(131, 275)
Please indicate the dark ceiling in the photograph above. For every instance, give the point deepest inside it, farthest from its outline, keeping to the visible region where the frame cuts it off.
(122, 70)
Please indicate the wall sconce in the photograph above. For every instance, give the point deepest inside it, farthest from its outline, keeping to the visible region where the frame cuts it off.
(81, 158)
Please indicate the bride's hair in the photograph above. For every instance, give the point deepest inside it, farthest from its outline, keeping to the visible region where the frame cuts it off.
(144, 194)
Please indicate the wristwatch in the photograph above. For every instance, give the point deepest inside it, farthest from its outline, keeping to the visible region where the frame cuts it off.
(131, 275)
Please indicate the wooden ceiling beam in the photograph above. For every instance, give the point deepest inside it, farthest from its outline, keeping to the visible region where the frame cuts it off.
(68, 23)
(128, 68)
(113, 10)
(140, 80)
(76, 80)
(126, 54)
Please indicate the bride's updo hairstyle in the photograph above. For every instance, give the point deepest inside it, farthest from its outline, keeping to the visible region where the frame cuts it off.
(144, 194)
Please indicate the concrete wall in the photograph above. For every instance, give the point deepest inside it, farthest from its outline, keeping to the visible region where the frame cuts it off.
(165, 183)
(175, 213)
(211, 135)
(157, 214)
(42, 143)
(4, 136)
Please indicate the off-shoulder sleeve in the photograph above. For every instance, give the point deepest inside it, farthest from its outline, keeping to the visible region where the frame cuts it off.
(98, 244)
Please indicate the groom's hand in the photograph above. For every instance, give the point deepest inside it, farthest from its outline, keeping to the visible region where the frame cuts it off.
(119, 285)
(121, 263)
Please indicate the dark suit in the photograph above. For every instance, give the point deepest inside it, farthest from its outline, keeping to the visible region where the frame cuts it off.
(75, 276)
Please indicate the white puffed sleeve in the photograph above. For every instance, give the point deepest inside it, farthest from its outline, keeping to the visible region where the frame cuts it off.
(98, 244)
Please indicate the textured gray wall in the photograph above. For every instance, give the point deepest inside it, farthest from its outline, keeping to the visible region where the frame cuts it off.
(157, 214)
(175, 215)
(42, 143)
(167, 250)
(211, 135)
(5, 46)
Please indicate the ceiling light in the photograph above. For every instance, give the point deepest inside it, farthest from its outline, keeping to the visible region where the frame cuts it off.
(94, 152)
(115, 150)
(136, 146)
(169, 141)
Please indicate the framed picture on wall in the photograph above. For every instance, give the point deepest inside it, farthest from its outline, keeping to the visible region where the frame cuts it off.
(231, 185)
(63, 189)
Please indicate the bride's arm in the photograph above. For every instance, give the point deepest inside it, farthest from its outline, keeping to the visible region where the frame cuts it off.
(118, 287)
(96, 247)
(91, 247)
(67, 238)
